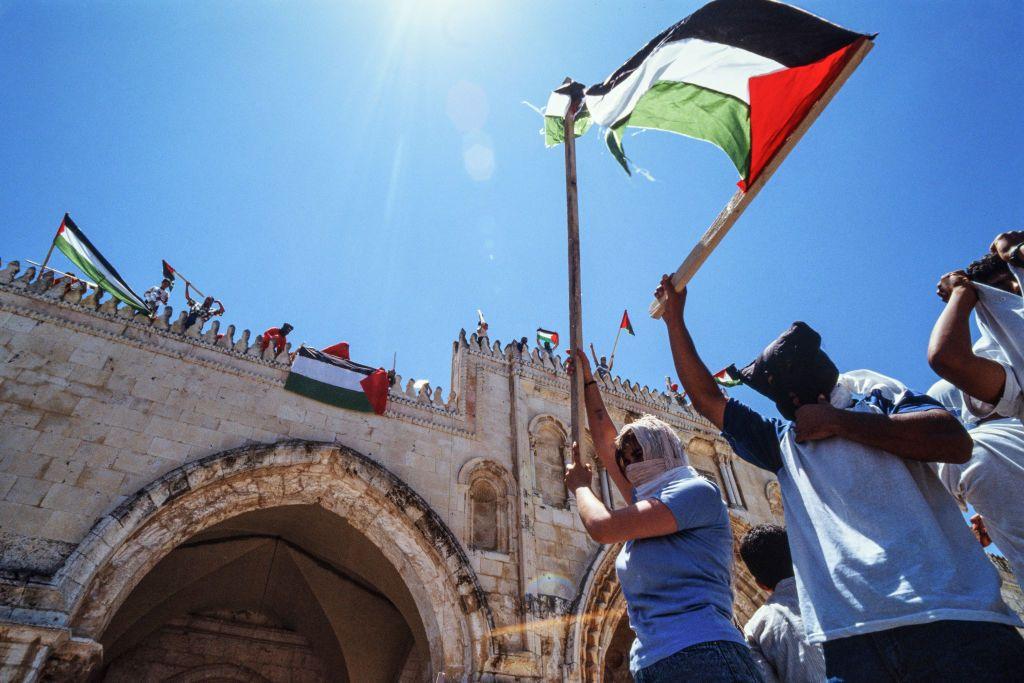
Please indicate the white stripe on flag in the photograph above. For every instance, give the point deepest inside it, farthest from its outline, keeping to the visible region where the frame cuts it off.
(715, 66)
(327, 373)
(557, 105)
(69, 236)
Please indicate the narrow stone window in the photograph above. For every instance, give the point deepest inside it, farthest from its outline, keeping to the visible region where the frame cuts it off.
(550, 463)
(484, 515)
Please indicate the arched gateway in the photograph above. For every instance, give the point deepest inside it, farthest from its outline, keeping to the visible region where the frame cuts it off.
(268, 511)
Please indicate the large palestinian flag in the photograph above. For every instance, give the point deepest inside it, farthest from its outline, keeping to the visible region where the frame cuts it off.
(338, 381)
(740, 74)
(76, 246)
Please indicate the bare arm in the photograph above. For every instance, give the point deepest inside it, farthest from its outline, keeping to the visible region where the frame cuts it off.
(949, 349)
(602, 429)
(926, 436)
(1005, 244)
(693, 374)
(645, 519)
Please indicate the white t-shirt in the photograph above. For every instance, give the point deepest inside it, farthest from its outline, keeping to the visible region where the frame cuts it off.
(777, 643)
(993, 482)
(876, 541)
(1000, 318)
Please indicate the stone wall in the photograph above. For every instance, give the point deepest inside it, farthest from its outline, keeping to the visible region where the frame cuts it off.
(221, 647)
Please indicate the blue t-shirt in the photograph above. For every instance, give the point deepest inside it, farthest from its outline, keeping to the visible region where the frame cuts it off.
(877, 542)
(677, 586)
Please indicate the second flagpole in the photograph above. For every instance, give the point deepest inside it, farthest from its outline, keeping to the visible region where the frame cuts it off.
(575, 299)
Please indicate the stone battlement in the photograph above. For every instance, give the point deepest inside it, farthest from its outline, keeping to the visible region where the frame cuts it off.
(536, 361)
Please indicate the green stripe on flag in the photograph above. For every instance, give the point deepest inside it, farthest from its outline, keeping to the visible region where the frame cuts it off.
(328, 393)
(97, 275)
(554, 128)
(695, 112)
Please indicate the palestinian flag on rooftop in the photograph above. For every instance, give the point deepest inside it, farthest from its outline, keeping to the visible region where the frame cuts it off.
(728, 377)
(338, 382)
(168, 271)
(73, 243)
(740, 74)
(625, 324)
(546, 339)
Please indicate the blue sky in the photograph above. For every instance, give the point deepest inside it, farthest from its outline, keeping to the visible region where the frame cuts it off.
(369, 172)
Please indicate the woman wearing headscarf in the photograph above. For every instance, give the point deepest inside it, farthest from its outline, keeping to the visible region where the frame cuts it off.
(676, 559)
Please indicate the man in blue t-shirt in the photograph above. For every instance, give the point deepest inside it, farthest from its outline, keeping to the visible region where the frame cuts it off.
(890, 580)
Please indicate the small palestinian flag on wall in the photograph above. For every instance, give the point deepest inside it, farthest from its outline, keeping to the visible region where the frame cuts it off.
(728, 377)
(73, 243)
(338, 382)
(546, 339)
(740, 74)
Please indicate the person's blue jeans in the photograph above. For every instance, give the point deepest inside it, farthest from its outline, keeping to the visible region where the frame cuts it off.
(716, 661)
(939, 651)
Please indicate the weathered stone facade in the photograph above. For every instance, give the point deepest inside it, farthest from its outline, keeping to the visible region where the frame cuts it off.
(168, 511)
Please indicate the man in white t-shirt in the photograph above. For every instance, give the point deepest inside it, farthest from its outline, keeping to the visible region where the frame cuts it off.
(986, 377)
(890, 580)
(991, 480)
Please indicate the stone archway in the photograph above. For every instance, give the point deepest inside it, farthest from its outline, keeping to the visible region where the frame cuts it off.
(126, 544)
(600, 611)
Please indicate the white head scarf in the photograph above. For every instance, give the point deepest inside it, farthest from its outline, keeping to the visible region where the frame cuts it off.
(664, 460)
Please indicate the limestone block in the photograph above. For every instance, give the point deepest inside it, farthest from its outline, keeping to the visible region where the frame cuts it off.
(23, 519)
(28, 491)
(15, 439)
(6, 482)
(151, 391)
(101, 480)
(16, 416)
(66, 526)
(63, 470)
(71, 499)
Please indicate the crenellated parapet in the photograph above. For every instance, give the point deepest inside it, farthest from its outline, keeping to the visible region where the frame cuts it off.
(76, 294)
(418, 402)
(549, 369)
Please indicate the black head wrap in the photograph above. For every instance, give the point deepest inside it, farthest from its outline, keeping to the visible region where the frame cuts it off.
(792, 366)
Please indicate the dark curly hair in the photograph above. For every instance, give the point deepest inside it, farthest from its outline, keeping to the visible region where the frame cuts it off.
(765, 551)
(988, 269)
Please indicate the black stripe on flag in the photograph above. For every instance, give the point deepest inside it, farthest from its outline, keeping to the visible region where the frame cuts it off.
(322, 357)
(771, 29)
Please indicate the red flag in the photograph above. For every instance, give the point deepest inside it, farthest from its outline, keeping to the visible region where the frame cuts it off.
(625, 324)
(340, 350)
(375, 387)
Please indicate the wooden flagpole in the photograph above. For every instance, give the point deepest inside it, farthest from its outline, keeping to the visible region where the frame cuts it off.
(611, 359)
(575, 299)
(43, 266)
(741, 200)
(49, 253)
(187, 282)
